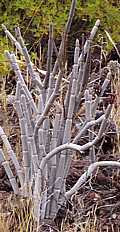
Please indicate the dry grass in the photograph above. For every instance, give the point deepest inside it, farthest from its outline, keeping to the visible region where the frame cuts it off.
(19, 217)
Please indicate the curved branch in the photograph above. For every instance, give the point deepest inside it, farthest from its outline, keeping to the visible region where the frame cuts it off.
(75, 146)
(65, 146)
(88, 173)
(55, 151)
(86, 127)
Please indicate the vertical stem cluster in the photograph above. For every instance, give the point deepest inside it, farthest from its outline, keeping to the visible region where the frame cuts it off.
(48, 142)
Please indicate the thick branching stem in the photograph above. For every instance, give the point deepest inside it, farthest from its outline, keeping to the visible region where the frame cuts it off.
(63, 42)
(48, 139)
(12, 38)
(9, 172)
(12, 156)
(27, 58)
(49, 58)
(49, 104)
